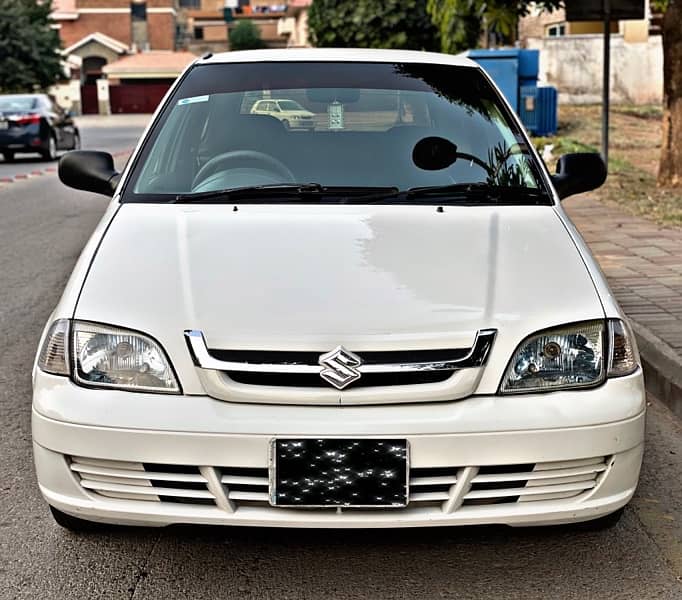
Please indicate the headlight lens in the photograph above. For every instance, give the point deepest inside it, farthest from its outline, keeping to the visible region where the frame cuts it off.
(565, 357)
(111, 357)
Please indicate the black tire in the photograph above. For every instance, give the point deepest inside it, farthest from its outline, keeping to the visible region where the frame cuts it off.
(76, 142)
(8, 156)
(286, 124)
(602, 523)
(50, 152)
(74, 524)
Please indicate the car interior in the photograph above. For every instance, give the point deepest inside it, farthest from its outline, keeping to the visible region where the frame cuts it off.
(224, 146)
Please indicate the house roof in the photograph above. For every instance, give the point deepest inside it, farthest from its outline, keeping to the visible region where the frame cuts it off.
(98, 38)
(152, 64)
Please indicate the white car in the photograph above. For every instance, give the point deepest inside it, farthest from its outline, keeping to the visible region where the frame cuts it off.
(289, 112)
(388, 321)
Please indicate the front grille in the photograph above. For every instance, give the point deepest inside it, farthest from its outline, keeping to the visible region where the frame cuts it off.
(368, 358)
(314, 381)
(339, 367)
(443, 489)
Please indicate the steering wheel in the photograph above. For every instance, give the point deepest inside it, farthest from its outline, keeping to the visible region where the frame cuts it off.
(240, 159)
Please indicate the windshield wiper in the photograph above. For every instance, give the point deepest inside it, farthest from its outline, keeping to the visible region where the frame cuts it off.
(480, 193)
(306, 192)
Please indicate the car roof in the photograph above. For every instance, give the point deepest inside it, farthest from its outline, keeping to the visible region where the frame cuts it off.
(338, 55)
(22, 95)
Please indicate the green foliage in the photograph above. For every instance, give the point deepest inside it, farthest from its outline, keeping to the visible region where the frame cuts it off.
(659, 5)
(245, 36)
(461, 22)
(29, 58)
(372, 24)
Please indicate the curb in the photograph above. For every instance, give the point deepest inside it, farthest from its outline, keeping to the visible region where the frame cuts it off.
(662, 368)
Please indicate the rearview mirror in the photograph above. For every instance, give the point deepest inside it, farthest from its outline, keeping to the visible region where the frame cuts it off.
(434, 153)
(578, 173)
(90, 171)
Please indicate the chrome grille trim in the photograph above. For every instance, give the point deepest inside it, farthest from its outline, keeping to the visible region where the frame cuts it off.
(476, 357)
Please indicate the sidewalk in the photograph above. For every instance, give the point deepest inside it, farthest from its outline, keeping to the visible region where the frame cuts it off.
(643, 264)
(105, 121)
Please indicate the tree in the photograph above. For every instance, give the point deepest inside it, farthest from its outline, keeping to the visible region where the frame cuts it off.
(462, 22)
(372, 24)
(245, 36)
(670, 166)
(29, 57)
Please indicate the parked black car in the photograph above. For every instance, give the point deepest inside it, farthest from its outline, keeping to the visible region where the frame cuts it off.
(35, 123)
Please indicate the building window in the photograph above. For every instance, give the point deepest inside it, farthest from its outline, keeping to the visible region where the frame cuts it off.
(138, 11)
(557, 30)
(190, 3)
(198, 33)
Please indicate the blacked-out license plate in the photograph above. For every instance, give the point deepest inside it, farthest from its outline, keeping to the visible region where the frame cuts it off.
(339, 472)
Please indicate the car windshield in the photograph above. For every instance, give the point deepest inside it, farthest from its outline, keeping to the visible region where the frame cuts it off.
(371, 122)
(290, 105)
(17, 103)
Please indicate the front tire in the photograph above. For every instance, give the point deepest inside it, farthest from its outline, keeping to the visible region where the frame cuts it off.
(50, 153)
(74, 524)
(8, 156)
(76, 142)
(286, 124)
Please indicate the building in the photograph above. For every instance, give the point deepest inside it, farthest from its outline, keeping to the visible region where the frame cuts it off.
(98, 33)
(138, 82)
(539, 24)
(204, 25)
(571, 56)
(122, 55)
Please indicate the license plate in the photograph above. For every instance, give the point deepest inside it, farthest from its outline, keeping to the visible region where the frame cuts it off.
(350, 472)
(4, 125)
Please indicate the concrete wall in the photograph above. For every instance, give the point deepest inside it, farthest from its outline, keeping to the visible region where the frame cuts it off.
(573, 64)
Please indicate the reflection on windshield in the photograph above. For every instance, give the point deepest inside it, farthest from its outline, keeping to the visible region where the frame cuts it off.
(17, 103)
(362, 133)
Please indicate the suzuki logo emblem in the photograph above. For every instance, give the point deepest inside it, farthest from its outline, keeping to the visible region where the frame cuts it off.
(340, 367)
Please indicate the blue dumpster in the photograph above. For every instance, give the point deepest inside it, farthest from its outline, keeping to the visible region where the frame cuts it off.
(515, 71)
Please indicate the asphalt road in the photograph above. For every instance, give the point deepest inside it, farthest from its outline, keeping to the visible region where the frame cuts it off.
(43, 226)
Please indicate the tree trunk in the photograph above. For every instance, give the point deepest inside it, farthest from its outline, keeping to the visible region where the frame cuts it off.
(670, 168)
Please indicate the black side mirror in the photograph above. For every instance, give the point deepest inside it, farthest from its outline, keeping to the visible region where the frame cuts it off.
(578, 173)
(90, 171)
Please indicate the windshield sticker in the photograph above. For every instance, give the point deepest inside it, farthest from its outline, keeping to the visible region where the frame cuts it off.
(335, 111)
(192, 100)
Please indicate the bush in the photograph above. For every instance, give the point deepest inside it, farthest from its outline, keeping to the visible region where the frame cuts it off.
(245, 36)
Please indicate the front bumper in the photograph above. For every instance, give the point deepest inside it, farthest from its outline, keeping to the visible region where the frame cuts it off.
(217, 439)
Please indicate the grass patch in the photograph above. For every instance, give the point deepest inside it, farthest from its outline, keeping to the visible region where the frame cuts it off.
(641, 112)
(633, 157)
(562, 145)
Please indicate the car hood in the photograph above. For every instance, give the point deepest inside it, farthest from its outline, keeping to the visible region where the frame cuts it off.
(304, 277)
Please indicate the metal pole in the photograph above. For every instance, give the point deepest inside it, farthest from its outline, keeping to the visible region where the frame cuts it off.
(606, 83)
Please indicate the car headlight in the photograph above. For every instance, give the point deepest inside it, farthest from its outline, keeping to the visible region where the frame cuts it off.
(105, 356)
(573, 356)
